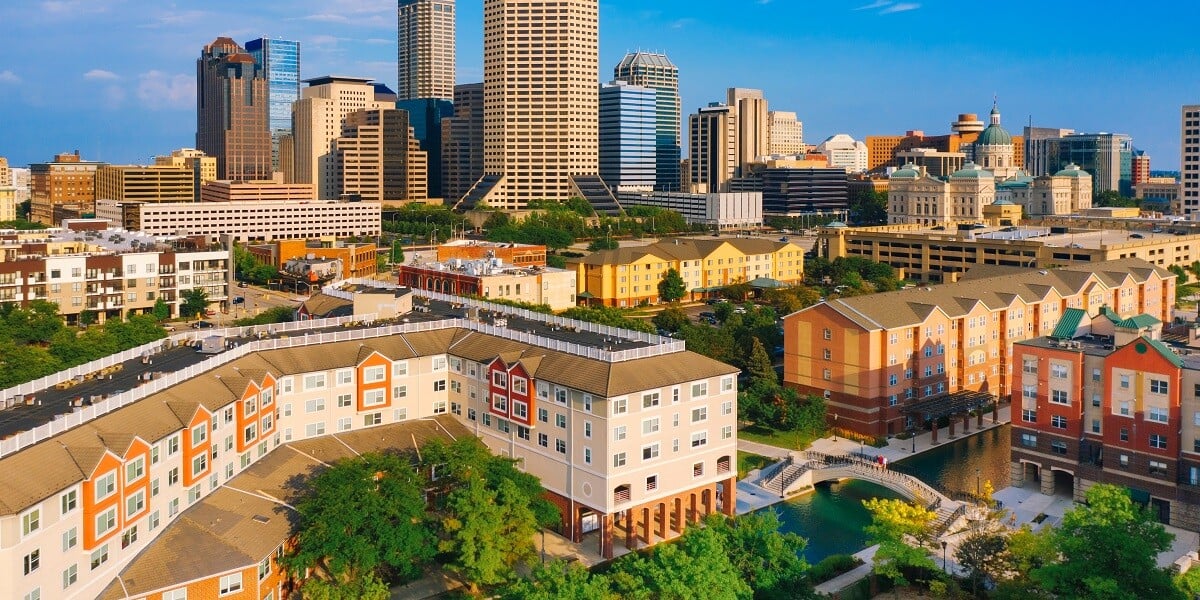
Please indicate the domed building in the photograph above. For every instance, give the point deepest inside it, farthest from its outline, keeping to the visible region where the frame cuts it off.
(917, 198)
(993, 149)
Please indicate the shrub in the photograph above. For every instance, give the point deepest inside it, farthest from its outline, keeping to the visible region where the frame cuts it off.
(832, 566)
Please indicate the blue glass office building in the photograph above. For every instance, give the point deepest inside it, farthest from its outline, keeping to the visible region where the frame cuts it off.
(628, 148)
(280, 62)
(425, 115)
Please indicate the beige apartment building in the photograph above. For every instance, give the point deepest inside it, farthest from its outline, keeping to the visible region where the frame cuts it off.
(941, 253)
(256, 191)
(317, 119)
(379, 159)
(146, 183)
(541, 99)
(252, 221)
(111, 272)
(875, 356)
(425, 56)
(632, 444)
(786, 134)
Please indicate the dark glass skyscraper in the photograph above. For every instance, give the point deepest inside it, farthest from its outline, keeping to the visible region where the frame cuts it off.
(280, 63)
(656, 71)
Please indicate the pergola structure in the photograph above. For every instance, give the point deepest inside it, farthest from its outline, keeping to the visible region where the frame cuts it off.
(951, 405)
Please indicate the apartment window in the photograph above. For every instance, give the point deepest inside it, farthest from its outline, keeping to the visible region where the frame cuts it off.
(1029, 415)
(1123, 408)
(231, 583)
(620, 406)
(1124, 379)
(1029, 365)
(499, 403)
(173, 508)
(520, 385)
(650, 452)
(1095, 425)
(520, 409)
(619, 433)
(726, 384)
(345, 376)
(106, 521)
(699, 389)
(1157, 414)
(129, 537)
(374, 418)
(827, 334)
(674, 395)
(543, 440)
(345, 400)
(314, 429)
(1158, 386)
(1029, 440)
(1095, 374)
(1124, 460)
(560, 396)
(343, 424)
(587, 401)
(698, 469)
(699, 414)
(105, 485)
(700, 438)
(1124, 433)
(471, 415)
(1058, 422)
(619, 459)
(439, 363)
(439, 385)
(32, 561)
(727, 407)
(523, 432)
(99, 556)
(70, 537)
(314, 381)
(1058, 371)
(1059, 397)
(199, 434)
(399, 369)
(1096, 400)
(1058, 447)
(727, 432)
(1158, 441)
(69, 501)
(652, 483)
(372, 397)
(1158, 468)
(135, 504)
(70, 576)
(179, 594)
(650, 400)
(560, 445)
(374, 374)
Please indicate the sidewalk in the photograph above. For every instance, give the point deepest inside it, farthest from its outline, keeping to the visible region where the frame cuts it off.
(898, 449)
(766, 450)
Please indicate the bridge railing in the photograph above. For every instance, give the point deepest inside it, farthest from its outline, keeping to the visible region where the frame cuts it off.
(873, 471)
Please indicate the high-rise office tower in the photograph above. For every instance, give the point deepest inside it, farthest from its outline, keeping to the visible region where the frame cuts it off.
(627, 136)
(462, 142)
(786, 133)
(426, 116)
(317, 119)
(231, 112)
(280, 64)
(753, 134)
(1107, 157)
(1189, 159)
(1042, 149)
(425, 49)
(713, 148)
(541, 89)
(656, 71)
(378, 159)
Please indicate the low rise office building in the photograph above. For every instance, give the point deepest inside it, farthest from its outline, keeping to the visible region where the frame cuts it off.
(145, 184)
(354, 259)
(256, 191)
(247, 221)
(721, 210)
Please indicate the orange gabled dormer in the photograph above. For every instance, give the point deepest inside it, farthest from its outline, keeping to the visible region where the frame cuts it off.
(135, 481)
(197, 447)
(373, 383)
(247, 417)
(101, 501)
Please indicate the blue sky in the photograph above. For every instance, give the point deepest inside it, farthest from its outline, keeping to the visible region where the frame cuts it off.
(115, 78)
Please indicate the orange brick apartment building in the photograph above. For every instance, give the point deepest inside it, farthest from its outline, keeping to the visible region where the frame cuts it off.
(870, 356)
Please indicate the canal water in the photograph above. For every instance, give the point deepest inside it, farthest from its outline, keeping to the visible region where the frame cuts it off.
(832, 517)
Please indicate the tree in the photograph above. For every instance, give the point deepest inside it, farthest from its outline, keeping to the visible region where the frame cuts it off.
(697, 567)
(367, 587)
(769, 561)
(759, 365)
(486, 532)
(603, 243)
(195, 302)
(672, 287)
(901, 529)
(558, 581)
(364, 516)
(397, 252)
(161, 310)
(1179, 273)
(671, 319)
(1108, 548)
(1113, 198)
(868, 207)
(984, 554)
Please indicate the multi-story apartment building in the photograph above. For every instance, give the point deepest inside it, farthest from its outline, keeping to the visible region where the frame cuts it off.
(628, 138)
(492, 278)
(872, 356)
(379, 159)
(247, 220)
(1105, 400)
(202, 166)
(632, 438)
(1189, 160)
(656, 71)
(146, 184)
(462, 143)
(65, 180)
(279, 61)
(940, 253)
(539, 130)
(231, 111)
(109, 272)
(630, 275)
(317, 120)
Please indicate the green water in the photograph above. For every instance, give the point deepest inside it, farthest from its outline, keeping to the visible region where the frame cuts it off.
(832, 517)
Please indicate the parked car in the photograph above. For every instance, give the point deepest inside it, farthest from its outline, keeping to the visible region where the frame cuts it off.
(708, 315)
(241, 284)
(239, 299)
(202, 325)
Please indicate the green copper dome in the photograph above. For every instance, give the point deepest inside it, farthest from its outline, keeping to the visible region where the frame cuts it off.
(970, 170)
(1072, 170)
(908, 171)
(994, 135)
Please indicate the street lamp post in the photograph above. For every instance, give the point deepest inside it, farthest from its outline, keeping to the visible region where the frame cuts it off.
(543, 547)
(945, 563)
(835, 427)
(977, 489)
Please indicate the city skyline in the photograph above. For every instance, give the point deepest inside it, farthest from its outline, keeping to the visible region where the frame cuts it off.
(842, 67)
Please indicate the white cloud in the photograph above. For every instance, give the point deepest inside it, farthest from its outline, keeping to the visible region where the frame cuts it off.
(157, 90)
(901, 7)
(75, 8)
(9, 77)
(100, 75)
(874, 5)
(681, 23)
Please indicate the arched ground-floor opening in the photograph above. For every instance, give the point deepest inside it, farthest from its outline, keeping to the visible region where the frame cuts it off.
(1063, 483)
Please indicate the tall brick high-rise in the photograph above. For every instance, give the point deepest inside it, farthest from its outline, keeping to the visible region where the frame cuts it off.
(231, 111)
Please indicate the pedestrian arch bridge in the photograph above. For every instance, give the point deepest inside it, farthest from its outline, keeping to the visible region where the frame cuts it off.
(803, 470)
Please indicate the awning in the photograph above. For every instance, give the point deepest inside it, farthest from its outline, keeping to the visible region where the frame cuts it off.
(586, 295)
(948, 404)
(1139, 496)
(702, 290)
(766, 283)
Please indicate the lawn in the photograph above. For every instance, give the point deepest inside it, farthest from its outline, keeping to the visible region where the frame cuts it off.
(748, 462)
(791, 440)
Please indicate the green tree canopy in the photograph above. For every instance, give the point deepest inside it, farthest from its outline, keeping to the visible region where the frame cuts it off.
(195, 302)
(769, 561)
(671, 319)
(672, 287)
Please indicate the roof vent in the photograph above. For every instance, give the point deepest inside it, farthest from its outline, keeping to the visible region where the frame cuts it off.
(262, 519)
